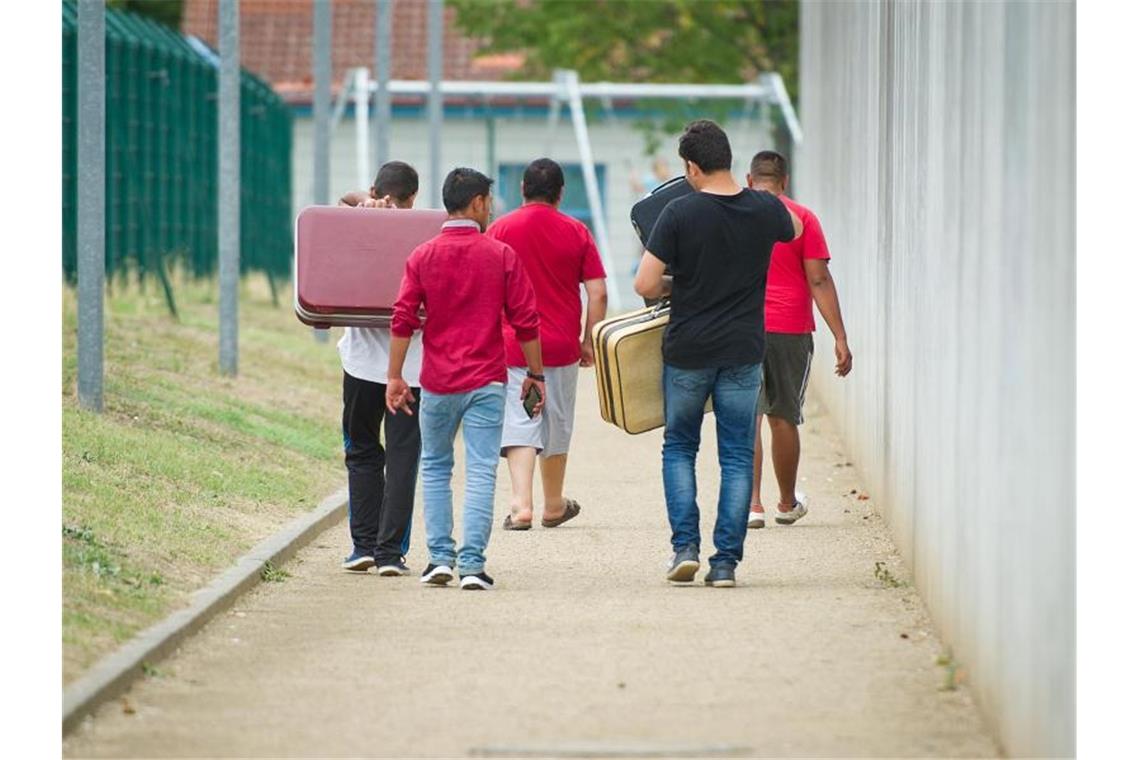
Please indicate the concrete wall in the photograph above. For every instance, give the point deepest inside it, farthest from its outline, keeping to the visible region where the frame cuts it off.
(616, 143)
(939, 154)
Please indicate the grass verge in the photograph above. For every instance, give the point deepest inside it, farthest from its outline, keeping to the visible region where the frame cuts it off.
(185, 469)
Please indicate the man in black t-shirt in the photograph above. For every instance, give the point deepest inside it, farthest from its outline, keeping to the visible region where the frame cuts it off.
(717, 243)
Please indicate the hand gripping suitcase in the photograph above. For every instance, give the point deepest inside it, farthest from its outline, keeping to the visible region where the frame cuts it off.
(348, 262)
(628, 368)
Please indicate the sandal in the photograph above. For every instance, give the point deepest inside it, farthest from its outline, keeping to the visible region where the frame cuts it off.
(510, 524)
(569, 513)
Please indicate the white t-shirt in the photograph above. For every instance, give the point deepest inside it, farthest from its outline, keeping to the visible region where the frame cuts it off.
(364, 354)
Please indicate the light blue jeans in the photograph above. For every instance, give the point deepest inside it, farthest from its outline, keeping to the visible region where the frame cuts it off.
(481, 413)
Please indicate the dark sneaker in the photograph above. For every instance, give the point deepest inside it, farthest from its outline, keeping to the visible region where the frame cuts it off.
(358, 562)
(686, 562)
(721, 576)
(392, 569)
(437, 575)
(476, 582)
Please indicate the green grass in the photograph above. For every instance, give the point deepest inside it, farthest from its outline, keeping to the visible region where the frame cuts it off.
(185, 469)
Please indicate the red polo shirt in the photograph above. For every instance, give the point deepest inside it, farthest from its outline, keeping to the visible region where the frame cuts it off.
(559, 255)
(466, 282)
(787, 305)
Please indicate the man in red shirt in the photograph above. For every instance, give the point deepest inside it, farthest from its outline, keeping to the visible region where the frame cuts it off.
(559, 256)
(797, 275)
(465, 282)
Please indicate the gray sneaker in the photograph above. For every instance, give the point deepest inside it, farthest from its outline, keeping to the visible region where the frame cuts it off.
(721, 576)
(686, 562)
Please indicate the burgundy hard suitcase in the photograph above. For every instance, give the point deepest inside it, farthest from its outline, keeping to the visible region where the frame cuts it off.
(348, 262)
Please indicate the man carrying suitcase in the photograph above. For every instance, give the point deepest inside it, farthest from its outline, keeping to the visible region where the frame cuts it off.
(797, 275)
(466, 282)
(381, 484)
(559, 256)
(717, 242)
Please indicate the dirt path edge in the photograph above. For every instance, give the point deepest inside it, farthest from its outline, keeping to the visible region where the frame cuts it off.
(113, 674)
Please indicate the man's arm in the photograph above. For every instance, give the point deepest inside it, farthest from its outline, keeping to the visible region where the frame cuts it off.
(827, 299)
(397, 395)
(353, 198)
(595, 312)
(651, 281)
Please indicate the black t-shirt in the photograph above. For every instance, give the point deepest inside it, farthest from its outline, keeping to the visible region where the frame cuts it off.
(718, 248)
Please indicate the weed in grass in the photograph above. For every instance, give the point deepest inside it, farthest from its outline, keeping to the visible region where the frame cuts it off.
(886, 577)
(954, 674)
(152, 671)
(273, 574)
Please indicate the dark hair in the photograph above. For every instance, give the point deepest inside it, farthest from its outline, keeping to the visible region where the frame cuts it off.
(769, 164)
(461, 186)
(396, 179)
(543, 180)
(706, 145)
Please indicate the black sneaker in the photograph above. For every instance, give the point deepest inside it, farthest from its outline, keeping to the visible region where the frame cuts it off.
(394, 568)
(358, 562)
(686, 562)
(437, 575)
(721, 576)
(476, 582)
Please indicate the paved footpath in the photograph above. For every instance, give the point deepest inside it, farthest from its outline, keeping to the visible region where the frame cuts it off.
(582, 649)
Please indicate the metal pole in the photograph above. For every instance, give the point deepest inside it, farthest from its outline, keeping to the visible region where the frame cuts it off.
(229, 183)
(435, 98)
(383, 66)
(360, 101)
(322, 84)
(91, 176)
(593, 193)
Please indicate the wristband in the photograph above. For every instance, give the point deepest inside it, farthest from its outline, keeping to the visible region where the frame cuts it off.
(532, 376)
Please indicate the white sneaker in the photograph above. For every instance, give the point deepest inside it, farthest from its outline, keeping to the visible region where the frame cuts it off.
(795, 513)
(755, 519)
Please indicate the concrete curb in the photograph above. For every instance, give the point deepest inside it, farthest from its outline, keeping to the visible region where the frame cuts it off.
(111, 676)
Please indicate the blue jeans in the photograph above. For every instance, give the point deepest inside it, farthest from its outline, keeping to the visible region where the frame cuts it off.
(734, 392)
(481, 412)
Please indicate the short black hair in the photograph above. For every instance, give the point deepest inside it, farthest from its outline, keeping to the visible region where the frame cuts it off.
(706, 145)
(461, 186)
(543, 180)
(769, 164)
(396, 179)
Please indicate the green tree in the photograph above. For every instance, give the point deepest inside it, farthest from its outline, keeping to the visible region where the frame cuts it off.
(702, 41)
(167, 12)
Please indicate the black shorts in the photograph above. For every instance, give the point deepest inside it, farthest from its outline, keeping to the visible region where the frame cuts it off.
(787, 364)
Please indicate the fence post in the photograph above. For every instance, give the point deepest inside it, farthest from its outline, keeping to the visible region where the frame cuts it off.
(435, 98)
(229, 183)
(91, 206)
(383, 103)
(322, 85)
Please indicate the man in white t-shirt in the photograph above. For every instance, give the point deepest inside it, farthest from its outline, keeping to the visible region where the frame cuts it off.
(381, 483)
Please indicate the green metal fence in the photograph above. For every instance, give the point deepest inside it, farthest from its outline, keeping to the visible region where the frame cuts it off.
(161, 179)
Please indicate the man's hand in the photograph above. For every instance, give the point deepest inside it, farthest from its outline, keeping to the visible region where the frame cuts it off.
(842, 358)
(527, 384)
(587, 359)
(385, 202)
(399, 396)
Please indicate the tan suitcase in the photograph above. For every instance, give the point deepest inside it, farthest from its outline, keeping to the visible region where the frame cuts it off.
(628, 367)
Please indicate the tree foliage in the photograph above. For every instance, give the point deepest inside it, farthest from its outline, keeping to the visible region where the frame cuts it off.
(693, 41)
(167, 12)
(641, 40)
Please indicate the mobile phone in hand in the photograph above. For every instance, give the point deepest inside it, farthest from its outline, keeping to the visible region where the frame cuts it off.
(531, 400)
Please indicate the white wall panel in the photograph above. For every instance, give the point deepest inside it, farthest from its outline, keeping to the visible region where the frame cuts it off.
(939, 155)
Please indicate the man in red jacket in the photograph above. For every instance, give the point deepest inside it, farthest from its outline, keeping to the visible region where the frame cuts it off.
(797, 275)
(465, 282)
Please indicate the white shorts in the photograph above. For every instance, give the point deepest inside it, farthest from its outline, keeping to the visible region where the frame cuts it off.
(550, 431)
